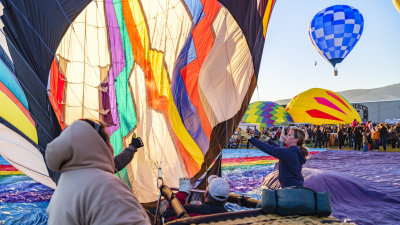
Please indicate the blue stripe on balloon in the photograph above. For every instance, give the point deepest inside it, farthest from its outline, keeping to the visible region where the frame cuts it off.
(10, 81)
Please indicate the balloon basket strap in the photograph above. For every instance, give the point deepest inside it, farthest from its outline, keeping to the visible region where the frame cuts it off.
(160, 184)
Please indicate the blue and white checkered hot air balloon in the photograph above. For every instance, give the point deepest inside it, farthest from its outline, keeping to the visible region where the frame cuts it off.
(335, 30)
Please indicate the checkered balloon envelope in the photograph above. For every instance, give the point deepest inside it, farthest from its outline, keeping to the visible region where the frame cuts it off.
(335, 31)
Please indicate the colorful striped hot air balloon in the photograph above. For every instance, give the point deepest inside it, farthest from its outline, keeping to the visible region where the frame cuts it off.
(320, 106)
(266, 114)
(18, 131)
(179, 74)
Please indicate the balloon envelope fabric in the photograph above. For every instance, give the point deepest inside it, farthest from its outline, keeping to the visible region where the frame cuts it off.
(320, 106)
(266, 114)
(335, 30)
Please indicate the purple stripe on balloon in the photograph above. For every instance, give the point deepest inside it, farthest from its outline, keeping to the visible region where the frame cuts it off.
(118, 61)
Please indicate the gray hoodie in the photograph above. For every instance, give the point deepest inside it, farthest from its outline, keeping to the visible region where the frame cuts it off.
(88, 191)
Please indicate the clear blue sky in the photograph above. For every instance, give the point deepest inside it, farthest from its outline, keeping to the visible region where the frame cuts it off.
(287, 65)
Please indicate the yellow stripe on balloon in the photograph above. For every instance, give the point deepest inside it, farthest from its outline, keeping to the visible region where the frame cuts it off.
(250, 163)
(267, 15)
(13, 114)
(10, 173)
(163, 86)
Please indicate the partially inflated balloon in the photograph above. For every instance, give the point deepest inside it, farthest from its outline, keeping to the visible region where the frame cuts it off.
(335, 31)
(266, 114)
(320, 106)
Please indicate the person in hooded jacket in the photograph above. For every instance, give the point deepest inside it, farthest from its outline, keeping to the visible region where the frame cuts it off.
(291, 159)
(88, 192)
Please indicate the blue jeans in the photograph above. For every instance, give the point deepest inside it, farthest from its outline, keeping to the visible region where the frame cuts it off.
(365, 148)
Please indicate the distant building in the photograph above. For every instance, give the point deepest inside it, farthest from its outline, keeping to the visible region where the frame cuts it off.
(379, 111)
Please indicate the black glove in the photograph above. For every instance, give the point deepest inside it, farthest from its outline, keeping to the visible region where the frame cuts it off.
(137, 142)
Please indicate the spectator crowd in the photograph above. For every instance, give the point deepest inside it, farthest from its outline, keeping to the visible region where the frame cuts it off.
(364, 136)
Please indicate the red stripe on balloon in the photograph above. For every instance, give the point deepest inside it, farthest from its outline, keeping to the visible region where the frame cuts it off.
(7, 168)
(315, 113)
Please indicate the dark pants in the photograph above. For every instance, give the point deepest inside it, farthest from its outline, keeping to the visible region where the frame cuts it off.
(393, 143)
(319, 142)
(398, 142)
(341, 143)
(350, 141)
(375, 144)
(357, 145)
(383, 141)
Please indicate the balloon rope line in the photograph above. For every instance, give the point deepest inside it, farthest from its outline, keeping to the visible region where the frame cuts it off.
(33, 170)
(19, 54)
(27, 90)
(63, 11)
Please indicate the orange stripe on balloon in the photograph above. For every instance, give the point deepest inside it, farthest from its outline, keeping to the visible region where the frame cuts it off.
(11, 96)
(333, 95)
(156, 101)
(315, 113)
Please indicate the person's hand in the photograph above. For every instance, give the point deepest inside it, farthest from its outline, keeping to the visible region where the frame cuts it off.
(185, 185)
(136, 142)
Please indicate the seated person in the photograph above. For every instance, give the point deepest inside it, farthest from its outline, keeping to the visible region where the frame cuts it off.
(215, 197)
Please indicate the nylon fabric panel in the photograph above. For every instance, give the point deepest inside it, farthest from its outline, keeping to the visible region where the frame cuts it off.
(246, 16)
(167, 37)
(160, 147)
(15, 113)
(48, 20)
(223, 131)
(267, 15)
(203, 39)
(226, 73)
(312, 106)
(9, 80)
(47, 126)
(85, 49)
(18, 151)
(158, 89)
(117, 66)
(32, 59)
(185, 75)
(56, 93)
(125, 110)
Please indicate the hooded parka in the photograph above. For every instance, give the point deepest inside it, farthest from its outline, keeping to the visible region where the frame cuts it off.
(88, 191)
